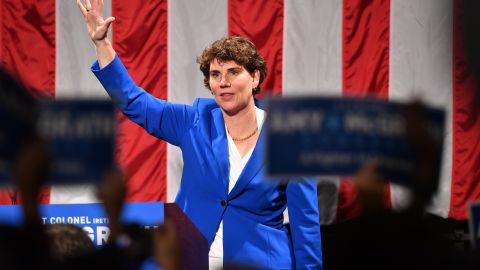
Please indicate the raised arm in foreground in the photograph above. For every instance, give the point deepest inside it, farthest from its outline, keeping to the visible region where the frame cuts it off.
(97, 27)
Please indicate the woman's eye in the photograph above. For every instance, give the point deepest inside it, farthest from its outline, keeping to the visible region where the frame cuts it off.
(214, 75)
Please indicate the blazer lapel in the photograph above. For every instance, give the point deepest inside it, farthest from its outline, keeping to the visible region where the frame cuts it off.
(254, 165)
(220, 145)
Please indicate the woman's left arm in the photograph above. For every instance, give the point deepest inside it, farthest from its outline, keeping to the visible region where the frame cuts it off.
(305, 223)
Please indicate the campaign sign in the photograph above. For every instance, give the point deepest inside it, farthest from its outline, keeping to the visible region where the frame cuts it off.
(9, 143)
(91, 217)
(336, 136)
(474, 224)
(80, 135)
(14, 130)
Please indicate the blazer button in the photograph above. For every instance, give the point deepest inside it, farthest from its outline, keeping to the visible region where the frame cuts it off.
(223, 202)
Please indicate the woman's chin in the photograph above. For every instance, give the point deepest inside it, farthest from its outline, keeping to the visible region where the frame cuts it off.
(232, 107)
(230, 111)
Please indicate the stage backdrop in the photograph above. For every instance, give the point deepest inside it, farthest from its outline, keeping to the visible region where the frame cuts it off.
(393, 49)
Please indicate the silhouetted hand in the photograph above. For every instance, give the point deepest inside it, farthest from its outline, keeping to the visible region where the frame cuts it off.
(30, 171)
(426, 154)
(166, 249)
(370, 184)
(112, 193)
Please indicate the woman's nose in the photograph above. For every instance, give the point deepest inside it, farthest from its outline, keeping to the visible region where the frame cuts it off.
(224, 82)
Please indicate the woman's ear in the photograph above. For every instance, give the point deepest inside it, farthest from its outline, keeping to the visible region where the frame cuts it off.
(256, 78)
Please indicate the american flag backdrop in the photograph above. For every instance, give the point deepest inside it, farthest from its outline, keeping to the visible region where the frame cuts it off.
(393, 49)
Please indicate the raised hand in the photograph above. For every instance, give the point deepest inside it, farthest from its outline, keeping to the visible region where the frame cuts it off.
(112, 193)
(30, 172)
(97, 26)
(370, 185)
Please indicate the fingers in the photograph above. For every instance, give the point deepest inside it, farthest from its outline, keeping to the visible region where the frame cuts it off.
(97, 5)
(82, 8)
(109, 21)
(106, 25)
(88, 5)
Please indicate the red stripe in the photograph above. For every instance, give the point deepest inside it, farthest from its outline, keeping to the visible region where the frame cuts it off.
(27, 51)
(365, 64)
(466, 127)
(262, 23)
(28, 43)
(140, 39)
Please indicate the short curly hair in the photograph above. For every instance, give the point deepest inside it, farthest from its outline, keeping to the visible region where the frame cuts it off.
(234, 48)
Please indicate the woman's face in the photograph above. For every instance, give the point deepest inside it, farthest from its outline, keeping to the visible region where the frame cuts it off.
(232, 85)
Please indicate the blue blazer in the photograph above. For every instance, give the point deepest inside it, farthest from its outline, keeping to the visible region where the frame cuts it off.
(252, 213)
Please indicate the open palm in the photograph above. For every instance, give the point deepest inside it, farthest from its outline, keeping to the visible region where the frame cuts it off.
(92, 12)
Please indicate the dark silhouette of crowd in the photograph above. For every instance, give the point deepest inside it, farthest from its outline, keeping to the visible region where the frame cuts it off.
(64, 246)
(403, 239)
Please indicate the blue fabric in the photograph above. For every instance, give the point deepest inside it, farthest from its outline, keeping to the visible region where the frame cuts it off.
(253, 227)
(150, 264)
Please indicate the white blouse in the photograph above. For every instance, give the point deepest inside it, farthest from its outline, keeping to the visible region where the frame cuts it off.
(237, 163)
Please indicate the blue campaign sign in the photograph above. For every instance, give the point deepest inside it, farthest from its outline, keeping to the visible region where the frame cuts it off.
(474, 224)
(14, 129)
(80, 135)
(91, 217)
(336, 136)
(8, 145)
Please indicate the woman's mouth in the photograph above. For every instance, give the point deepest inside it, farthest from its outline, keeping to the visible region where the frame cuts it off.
(226, 95)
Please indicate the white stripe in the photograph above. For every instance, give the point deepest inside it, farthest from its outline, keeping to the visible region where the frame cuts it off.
(73, 79)
(75, 53)
(83, 193)
(421, 67)
(192, 25)
(312, 64)
(312, 48)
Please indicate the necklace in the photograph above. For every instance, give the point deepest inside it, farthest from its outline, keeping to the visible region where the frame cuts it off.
(246, 137)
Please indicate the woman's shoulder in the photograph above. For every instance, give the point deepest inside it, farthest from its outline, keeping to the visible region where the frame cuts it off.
(205, 104)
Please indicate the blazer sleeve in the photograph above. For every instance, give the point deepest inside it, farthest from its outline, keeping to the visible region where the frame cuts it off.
(305, 223)
(158, 117)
